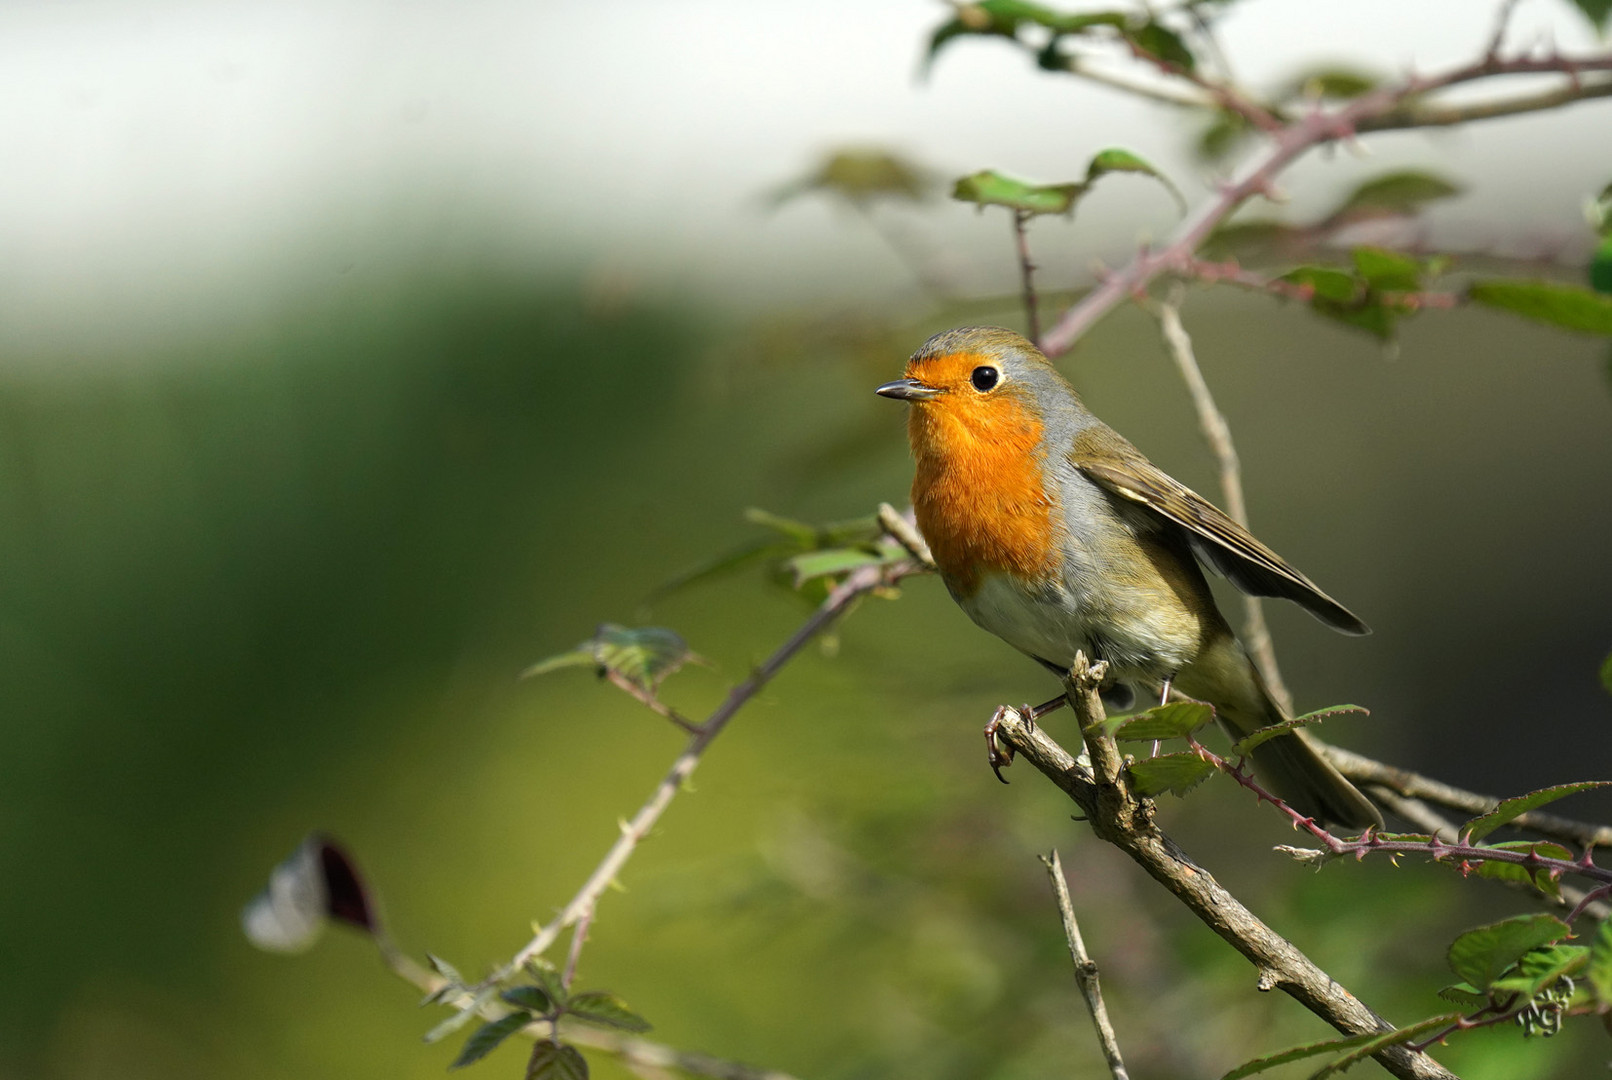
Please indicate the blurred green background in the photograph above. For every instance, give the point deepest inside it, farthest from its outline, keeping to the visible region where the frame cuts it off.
(273, 563)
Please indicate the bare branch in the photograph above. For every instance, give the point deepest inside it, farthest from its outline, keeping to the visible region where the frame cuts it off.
(1119, 816)
(1085, 969)
(1032, 316)
(1256, 634)
(904, 530)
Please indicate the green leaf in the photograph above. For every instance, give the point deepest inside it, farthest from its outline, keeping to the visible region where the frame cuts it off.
(598, 1007)
(1606, 673)
(1330, 83)
(1508, 810)
(462, 1017)
(1598, 12)
(445, 969)
(1599, 971)
(1601, 266)
(860, 175)
(555, 1061)
(1245, 745)
(1296, 1053)
(1386, 1039)
(531, 998)
(1115, 160)
(1226, 133)
(485, 1039)
(799, 531)
(1002, 18)
(548, 979)
(1176, 720)
(1175, 773)
(1464, 995)
(1540, 968)
(1481, 956)
(1392, 194)
(1163, 44)
(1338, 286)
(1539, 877)
(991, 188)
(646, 655)
(834, 561)
(756, 551)
(1567, 306)
(1388, 270)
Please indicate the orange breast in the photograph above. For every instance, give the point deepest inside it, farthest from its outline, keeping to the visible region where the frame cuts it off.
(978, 490)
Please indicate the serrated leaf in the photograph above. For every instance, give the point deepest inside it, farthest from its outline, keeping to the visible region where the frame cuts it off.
(445, 969)
(1163, 44)
(991, 188)
(1540, 968)
(1395, 193)
(645, 655)
(485, 1039)
(1115, 160)
(1481, 956)
(1295, 1053)
(1263, 735)
(459, 1019)
(1176, 720)
(1464, 995)
(531, 998)
(548, 978)
(1388, 270)
(1567, 306)
(598, 1007)
(1386, 1039)
(1599, 969)
(1538, 877)
(1510, 809)
(1175, 773)
(556, 1061)
(731, 561)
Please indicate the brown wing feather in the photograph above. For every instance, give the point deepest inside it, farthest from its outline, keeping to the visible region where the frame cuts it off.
(1217, 539)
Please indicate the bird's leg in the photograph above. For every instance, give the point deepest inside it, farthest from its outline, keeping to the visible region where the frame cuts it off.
(1164, 696)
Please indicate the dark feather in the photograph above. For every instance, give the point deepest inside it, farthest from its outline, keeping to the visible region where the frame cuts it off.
(1219, 542)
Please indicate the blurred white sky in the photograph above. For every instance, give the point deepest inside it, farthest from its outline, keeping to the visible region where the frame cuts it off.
(170, 164)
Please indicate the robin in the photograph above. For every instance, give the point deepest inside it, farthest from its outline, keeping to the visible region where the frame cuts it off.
(1056, 535)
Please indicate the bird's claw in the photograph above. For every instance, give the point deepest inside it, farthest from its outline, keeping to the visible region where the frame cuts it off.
(998, 753)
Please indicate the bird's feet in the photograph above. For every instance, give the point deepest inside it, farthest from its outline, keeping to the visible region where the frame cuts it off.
(998, 753)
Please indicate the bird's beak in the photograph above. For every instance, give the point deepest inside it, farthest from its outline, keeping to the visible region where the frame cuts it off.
(908, 390)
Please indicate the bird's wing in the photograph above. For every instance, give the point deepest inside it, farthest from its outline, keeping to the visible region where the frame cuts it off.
(1218, 540)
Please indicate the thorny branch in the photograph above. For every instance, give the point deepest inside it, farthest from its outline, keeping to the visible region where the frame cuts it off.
(582, 905)
(1119, 816)
(1396, 107)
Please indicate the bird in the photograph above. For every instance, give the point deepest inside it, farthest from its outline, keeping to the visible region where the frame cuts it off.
(1054, 533)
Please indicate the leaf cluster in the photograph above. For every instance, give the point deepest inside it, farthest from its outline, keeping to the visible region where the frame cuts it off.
(539, 1004)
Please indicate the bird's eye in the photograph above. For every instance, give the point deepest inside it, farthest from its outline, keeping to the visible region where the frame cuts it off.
(984, 378)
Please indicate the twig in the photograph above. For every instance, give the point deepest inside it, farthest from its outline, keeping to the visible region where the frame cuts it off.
(631, 1050)
(1362, 769)
(1085, 969)
(582, 904)
(579, 937)
(1120, 817)
(1256, 634)
(904, 530)
(1032, 316)
(649, 700)
(1389, 108)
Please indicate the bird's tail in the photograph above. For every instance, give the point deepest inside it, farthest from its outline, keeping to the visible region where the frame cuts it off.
(1288, 765)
